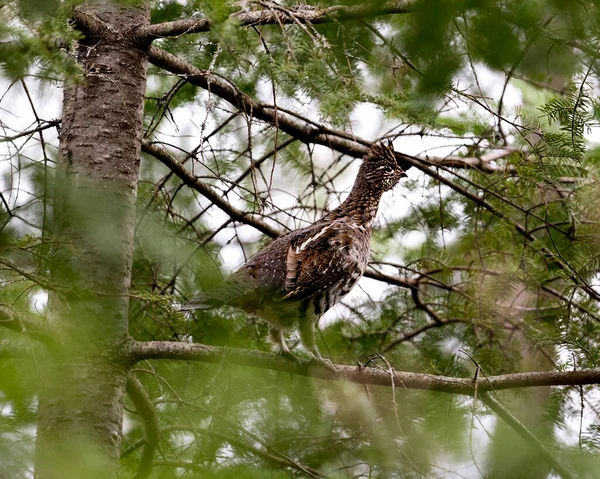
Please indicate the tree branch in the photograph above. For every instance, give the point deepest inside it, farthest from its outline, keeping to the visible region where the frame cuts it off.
(405, 282)
(268, 453)
(10, 319)
(303, 14)
(421, 329)
(43, 126)
(145, 409)
(213, 354)
(206, 190)
(303, 128)
(526, 434)
(40, 281)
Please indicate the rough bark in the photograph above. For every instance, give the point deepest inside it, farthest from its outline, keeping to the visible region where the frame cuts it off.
(84, 375)
(184, 351)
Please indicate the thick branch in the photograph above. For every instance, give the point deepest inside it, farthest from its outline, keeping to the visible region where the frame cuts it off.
(485, 162)
(303, 14)
(357, 374)
(297, 126)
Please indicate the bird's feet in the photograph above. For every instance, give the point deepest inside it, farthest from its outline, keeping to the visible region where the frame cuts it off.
(322, 362)
(314, 360)
(286, 353)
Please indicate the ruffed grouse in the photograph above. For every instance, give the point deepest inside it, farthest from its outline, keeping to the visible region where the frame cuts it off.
(299, 276)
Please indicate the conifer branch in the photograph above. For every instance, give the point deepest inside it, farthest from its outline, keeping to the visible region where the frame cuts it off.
(34, 278)
(11, 319)
(205, 189)
(266, 452)
(303, 128)
(140, 351)
(147, 412)
(298, 14)
(526, 434)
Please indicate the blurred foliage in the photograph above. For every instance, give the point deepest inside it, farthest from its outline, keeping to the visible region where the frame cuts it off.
(505, 259)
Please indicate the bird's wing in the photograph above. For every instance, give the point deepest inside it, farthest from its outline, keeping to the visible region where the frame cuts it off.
(319, 258)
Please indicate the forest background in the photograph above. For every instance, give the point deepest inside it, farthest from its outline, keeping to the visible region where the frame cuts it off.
(148, 148)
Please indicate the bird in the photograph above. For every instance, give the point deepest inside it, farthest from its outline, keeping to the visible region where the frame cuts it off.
(299, 276)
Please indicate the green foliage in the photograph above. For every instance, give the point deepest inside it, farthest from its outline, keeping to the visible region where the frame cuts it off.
(36, 34)
(495, 262)
(574, 112)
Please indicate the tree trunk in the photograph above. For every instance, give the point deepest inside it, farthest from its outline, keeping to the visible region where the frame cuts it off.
(82, 389)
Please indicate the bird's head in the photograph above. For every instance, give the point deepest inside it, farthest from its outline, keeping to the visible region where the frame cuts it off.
(380, 168)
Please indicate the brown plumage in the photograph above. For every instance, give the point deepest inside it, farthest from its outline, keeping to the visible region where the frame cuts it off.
(299, 276)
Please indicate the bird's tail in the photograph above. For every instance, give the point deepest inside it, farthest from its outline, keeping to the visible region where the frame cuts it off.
(204, 302)
(226, 293)
(195, 306)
